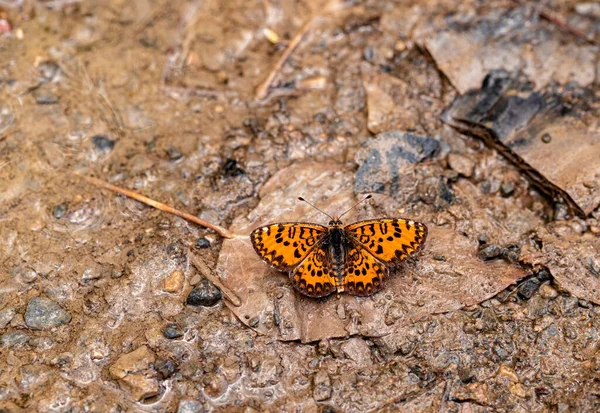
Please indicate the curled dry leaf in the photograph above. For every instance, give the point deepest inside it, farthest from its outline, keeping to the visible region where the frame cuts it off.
(445, 277)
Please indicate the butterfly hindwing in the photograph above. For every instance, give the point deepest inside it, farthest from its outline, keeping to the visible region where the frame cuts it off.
(314, 276)
(363, 273)
(286, 245)
(389, 240)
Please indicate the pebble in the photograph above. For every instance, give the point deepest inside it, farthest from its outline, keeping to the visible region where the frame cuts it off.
(165, 368)
(43, 313)
(190, 406)
(357, 349)
(14, 339)
(6, 316)
(45, 97)
(59, 211)
(48, 70)
(215, 384)
(131, 370)
(172, 331)
(489, 252)
(507, 189)
(206, 295)
(28, 275)
(518, 390)
(231, 168)
(174, 153)
(461, 164)
(202, 243)
(174, 282)
(506, 371)
(528, 288)
(547, 291)
(103, 143)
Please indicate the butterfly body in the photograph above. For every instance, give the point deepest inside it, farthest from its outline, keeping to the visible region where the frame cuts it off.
(354, 258)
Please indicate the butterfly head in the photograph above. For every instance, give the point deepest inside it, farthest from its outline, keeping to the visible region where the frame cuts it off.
(335, 222)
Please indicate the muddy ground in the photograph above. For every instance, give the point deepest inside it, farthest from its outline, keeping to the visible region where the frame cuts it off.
(480, 119)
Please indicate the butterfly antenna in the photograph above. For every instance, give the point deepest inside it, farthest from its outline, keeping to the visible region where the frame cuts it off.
(320, 210)
(355, 205)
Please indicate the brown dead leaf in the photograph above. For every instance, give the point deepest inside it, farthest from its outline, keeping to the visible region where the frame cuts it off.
(446, 277)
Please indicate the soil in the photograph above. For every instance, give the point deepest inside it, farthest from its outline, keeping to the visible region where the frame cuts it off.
(480, 120)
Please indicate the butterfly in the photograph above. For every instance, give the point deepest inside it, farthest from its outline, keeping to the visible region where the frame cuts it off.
(354, 258)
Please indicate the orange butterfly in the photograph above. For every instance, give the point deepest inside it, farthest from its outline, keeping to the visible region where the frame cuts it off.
(353, 258)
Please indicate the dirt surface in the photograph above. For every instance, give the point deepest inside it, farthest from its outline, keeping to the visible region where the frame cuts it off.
(480, 119)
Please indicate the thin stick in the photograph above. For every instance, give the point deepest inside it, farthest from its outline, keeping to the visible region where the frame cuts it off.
(160, 206)
(263, 89)
(554, 17)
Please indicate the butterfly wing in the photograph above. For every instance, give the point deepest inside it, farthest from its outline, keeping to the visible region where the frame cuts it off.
(286, 245)
(363, 273)
(314, 276)
(389, 240)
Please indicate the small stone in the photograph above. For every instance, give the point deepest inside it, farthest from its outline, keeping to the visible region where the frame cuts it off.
(507, 189)
(231, 168)
(506, 371)
(103, 143)
(134, 374)
(174, 282)
(461, 164)
(93, 272)
(165, 368)
(322, 386)
(59, 211)
(43, 313)
(190, 406)
(202, 243)
(174, 153)
(489, 252)
(546, 138)
(320, 117)
(215, 384)
(368, 53)
(357, 349)
(546, 291)
(518, 390)
(561, 211)
(28, 275)
(42, 343)
(528, 288)
(48, 70)
(206, 295)
(44, 97)
(140, 386)
(14, 339)
(6, 316)
(172, 331)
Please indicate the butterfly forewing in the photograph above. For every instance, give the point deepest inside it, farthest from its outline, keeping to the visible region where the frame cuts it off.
(285, 245)
(363, 273)
(389, 240)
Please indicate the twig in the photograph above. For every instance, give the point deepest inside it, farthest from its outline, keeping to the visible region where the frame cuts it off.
(554, 18)
(160, 206)
(213, 278)
(263, 89)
